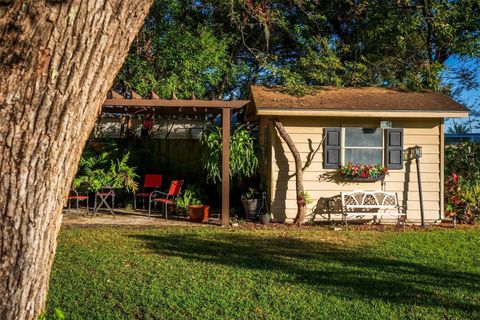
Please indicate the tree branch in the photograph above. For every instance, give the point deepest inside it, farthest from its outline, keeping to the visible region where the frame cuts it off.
(301, 204)
(311, 154)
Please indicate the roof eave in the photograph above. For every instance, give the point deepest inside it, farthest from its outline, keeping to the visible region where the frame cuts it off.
(275, 111)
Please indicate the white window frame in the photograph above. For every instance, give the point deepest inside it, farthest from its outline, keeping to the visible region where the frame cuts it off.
(342, 146)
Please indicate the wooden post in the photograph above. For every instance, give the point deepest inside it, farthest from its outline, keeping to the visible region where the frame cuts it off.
(420, 193)
(226, 165)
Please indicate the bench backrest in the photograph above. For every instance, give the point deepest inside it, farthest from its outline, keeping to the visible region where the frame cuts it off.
(369, 199)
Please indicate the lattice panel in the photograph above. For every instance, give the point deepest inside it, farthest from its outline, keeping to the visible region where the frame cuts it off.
(350, 200)
(389, 200)
(369, 200)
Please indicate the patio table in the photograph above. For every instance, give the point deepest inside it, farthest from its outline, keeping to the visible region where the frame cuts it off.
(104, 193)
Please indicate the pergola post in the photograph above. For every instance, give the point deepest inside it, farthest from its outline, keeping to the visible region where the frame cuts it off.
(226, 118)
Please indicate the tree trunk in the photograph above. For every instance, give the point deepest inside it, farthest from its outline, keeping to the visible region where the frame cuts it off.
(301, 201)
(58, 60)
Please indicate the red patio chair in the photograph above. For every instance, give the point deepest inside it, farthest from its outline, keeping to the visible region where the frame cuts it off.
(74, 195)
(168, 198)
(151, 181)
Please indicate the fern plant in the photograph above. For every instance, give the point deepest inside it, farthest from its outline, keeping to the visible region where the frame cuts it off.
(123, 175)
(95, 173)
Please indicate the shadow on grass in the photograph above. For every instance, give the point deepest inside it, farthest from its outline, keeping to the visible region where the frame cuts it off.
(346, 272)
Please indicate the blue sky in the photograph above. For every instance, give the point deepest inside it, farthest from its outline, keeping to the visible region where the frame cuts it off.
(470, 98)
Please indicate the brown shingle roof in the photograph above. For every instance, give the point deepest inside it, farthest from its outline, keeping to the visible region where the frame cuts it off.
(358, 99)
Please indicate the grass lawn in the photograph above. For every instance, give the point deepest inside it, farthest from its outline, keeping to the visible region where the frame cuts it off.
(312, 273)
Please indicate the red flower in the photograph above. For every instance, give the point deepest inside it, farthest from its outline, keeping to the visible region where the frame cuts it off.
(455, 177)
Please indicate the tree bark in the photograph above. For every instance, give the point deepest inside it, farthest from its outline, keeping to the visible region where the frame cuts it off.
(58, 59)
(301, 201)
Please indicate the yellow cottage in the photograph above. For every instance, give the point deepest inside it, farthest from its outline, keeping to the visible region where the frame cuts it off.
(333, 126)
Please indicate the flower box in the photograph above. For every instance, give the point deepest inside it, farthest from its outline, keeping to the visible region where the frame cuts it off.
(361, 179)
(363, 172)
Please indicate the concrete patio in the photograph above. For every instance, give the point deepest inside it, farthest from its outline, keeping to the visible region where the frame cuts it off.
(126, 217)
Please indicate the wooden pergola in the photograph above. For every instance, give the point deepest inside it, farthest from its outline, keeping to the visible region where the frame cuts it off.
(137, 105)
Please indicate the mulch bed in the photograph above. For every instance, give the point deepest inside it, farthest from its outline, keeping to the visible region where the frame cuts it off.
(353, 227)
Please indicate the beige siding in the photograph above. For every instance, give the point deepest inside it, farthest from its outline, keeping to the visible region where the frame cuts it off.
(322, 184)
(263, 139)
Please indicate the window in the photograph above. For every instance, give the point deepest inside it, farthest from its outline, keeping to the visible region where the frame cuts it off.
(362, 145)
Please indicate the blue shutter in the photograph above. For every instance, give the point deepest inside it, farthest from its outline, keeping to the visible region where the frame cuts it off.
(331, 148)
(394, 149)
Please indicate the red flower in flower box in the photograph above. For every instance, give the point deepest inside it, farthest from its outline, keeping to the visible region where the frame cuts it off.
(367, 172)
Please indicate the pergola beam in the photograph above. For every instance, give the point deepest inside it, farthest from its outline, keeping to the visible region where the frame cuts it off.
(160, 110)
(163, 103)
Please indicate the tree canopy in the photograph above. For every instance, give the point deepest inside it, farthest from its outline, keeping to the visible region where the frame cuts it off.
(215, 48)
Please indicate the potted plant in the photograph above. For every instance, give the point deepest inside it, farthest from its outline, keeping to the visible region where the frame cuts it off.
(250, 201)
(263, 215)
(363, 172)
(190, 202)
(265, 218)
(186, 199)
(198, 212)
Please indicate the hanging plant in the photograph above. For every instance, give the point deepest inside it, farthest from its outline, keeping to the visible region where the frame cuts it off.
(243, 157)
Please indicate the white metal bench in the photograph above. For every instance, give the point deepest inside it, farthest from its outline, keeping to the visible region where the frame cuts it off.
(377, 204)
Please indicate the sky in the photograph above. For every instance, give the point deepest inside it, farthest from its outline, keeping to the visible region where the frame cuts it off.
(467, 97)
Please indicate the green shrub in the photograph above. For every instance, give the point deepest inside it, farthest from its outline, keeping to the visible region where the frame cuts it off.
(462, 183)
(97, 171)
(463, 160)
(462, 199)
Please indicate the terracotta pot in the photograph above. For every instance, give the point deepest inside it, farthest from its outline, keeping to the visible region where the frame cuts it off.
(198, 213)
